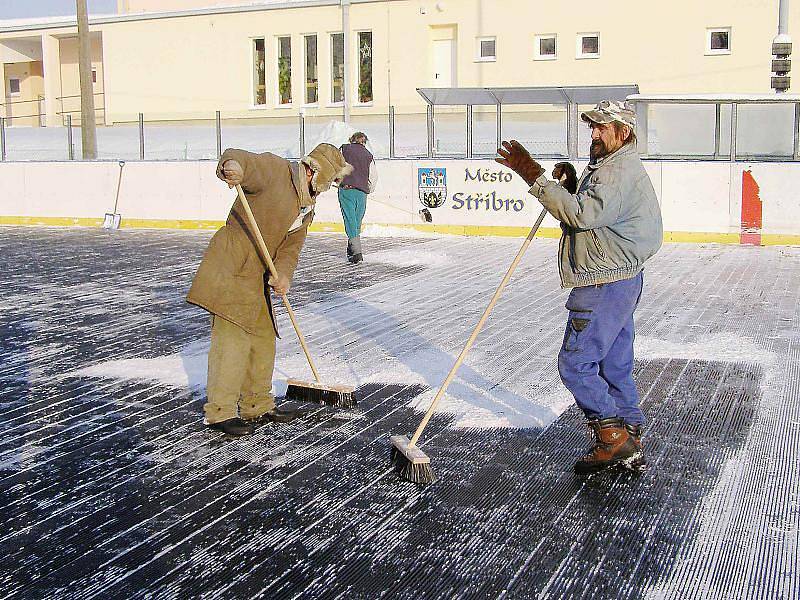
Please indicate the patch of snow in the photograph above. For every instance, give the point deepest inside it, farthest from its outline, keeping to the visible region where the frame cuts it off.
(387, 231)
(408, 257)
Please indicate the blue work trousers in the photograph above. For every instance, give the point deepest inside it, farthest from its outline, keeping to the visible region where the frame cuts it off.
(596, 358)
(353, 203)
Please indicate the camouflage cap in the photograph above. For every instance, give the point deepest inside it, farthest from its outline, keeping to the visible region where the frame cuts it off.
(609, 111)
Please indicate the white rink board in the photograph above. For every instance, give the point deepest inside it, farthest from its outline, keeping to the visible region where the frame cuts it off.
(695, 196)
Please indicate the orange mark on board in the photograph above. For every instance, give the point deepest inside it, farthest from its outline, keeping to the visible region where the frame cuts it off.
(751, 211)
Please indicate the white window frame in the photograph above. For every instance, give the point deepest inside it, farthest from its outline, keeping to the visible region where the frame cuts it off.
(19, 87)
(579, 53)
(718, 52)
(278, 103)
(250, 56)
(537, 55)
(358, 68)
(331, 103)
(485, 38)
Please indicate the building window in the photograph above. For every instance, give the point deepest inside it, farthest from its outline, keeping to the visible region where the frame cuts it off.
(364, 66)
(94, 75)
(718, 40)
(285, 70)
(487, 49)
(312, 80)
(13, 87)
(337, 67)
(259, 75)
(545, 47)
(588, 45)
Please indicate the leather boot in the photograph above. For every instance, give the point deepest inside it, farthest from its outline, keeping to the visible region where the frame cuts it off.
(279, 415)
(612, 446)
(236, 427)
(637, 462)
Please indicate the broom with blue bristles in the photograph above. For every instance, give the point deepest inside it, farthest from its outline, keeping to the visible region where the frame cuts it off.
(409, 461)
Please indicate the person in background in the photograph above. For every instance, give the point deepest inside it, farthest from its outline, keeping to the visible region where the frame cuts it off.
(353, 192)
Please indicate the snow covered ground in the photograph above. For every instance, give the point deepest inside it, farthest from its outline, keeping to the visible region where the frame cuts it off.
(112, 487)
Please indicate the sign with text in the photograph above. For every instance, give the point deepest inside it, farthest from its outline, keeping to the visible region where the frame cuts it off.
(474, 193)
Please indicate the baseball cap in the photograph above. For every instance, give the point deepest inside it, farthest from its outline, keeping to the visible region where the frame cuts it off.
(609, 111)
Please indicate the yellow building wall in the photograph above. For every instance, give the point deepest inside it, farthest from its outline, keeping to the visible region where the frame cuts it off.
(70, 102)
(23, 110)
(190, 66)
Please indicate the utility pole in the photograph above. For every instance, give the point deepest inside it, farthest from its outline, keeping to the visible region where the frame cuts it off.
(88, 128)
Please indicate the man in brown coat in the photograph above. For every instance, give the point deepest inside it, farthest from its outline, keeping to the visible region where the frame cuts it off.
(230, 282)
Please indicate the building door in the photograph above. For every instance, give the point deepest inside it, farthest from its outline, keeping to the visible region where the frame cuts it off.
(444, 60)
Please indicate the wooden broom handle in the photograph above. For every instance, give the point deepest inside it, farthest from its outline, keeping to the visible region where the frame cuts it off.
(477, 329)
(265, 252)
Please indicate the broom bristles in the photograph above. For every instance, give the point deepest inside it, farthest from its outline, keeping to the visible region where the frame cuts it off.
(339, 396)
(410, 463)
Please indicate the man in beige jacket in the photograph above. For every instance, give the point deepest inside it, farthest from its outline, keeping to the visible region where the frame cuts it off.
(230, 282)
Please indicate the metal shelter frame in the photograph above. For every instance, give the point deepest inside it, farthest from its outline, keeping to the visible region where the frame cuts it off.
(568, 96)
(641, 103)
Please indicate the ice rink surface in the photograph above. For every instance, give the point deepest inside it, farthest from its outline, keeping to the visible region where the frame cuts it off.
(110, 486)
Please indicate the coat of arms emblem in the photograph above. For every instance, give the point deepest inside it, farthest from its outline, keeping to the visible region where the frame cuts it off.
(432, 186)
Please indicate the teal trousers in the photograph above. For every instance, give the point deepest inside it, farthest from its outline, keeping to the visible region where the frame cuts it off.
(353, 204)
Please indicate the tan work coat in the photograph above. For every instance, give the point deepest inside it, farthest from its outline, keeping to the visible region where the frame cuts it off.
(230, 279)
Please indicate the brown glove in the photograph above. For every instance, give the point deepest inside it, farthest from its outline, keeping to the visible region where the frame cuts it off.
(565, 174)
(514, 156)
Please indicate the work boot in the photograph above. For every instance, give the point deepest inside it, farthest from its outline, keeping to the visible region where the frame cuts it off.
(637, 462)
(236, 427)
(279, 415)
(612, 445)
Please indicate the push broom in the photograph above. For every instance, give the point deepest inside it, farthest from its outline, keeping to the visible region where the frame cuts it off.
(305, 391)
(409, 461)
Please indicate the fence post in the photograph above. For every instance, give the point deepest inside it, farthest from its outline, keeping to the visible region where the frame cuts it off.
(717, 128)
(391, 132)
(70, 144)
(499, 124)
(572, 130)
(734, 118)
(302, 126)
(2, 138)
(141, 136)
(431, 131)
(469, 131)
(219, 134)
(796, 137)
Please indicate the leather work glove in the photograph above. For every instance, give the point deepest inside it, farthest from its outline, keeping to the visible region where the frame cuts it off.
(514, 156)
(232, 173)
(281, 284)
(565, 174)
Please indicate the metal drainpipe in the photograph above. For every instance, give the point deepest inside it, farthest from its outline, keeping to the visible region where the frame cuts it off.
(346, 83)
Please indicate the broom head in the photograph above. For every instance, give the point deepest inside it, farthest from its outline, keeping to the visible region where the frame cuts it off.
(410, 462)
(341, 396)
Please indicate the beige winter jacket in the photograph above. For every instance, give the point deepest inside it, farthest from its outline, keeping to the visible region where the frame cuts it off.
(230, 279)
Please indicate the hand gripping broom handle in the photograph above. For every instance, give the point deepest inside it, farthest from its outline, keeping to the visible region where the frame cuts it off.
(477, 329)
(265, 252)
